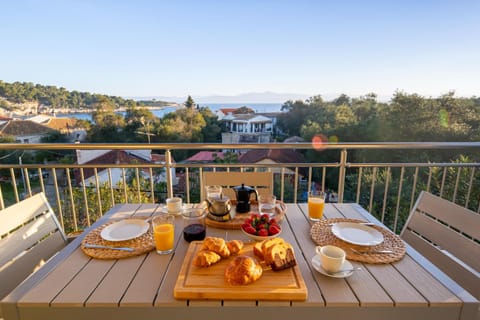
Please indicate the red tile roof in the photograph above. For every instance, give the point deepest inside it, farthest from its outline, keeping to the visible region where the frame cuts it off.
(205, 156)
(228, 110)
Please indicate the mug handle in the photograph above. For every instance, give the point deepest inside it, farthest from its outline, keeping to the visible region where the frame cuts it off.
(318, 249)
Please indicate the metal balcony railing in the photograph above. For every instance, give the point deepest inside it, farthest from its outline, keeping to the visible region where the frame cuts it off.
(80, 193)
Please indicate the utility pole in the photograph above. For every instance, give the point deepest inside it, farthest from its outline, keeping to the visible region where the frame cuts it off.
(23, 174)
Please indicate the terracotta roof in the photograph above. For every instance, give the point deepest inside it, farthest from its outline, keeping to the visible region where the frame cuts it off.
(205, 156)
(277, 155)
(62, 124)
(228, 110)
(23, 127)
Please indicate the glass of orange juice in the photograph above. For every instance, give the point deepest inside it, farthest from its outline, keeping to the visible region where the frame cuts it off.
(163, 233)
(316, 202)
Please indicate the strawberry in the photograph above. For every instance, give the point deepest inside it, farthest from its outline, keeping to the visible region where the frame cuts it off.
(273, 229)
(265, 217)
(246, 225)
(260, 226)
(250, 230)
(262, 232)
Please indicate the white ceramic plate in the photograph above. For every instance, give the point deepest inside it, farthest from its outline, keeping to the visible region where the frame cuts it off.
(125, 230)
(317, 265)
(357, 233)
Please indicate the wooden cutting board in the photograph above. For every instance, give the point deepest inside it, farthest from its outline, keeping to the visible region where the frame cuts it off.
(209, 283)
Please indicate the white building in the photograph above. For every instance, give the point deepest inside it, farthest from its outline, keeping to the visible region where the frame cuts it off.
(247, 128)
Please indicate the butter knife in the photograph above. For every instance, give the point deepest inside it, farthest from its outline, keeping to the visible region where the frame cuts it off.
(97, 246)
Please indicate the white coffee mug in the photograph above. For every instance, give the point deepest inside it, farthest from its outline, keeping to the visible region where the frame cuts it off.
(174, 205)
(331, 257)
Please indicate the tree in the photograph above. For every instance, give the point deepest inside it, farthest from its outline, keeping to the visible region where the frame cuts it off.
(244, 110)
(189, 103)
(140, 124)
(108, 125)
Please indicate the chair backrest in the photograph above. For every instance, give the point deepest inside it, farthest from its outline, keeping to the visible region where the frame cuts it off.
(262, 181)
(29, 235)
(449, 236)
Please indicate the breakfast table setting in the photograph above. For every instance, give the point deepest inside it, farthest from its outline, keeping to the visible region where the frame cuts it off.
(210, 260)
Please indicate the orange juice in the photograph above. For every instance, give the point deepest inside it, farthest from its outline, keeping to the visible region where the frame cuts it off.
(315, 207)
(163, 234)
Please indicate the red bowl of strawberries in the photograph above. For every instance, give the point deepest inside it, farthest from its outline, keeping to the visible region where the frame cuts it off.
(261, 227)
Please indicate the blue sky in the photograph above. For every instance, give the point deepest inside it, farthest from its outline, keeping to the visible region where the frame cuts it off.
(176, 48)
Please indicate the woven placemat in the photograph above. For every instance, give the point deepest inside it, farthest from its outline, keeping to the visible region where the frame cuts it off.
(321, 233)
(140, 245)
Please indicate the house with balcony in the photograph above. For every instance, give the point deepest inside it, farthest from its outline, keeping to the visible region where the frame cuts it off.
(247, 128)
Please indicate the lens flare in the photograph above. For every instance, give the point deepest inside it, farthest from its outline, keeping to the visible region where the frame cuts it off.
(444, 118)
(318, 142)
(333, 139)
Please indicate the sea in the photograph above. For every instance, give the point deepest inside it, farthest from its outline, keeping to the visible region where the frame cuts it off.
(159, 113)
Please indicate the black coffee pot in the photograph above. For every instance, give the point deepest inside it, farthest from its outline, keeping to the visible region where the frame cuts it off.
(243, 197)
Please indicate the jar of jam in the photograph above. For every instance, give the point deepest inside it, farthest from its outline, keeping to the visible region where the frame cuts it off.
(194, 226)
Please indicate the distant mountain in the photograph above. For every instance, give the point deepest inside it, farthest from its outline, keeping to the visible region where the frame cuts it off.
(253, 97)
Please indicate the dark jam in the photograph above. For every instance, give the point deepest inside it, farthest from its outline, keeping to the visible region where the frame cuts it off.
(194, 231)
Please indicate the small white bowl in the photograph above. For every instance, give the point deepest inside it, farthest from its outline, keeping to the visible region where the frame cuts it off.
(260, 238)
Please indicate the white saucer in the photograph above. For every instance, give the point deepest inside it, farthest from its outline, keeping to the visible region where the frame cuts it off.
(316, 263)
(177, 213)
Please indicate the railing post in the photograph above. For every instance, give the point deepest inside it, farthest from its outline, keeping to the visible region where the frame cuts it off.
(341, 174)
(168, 165)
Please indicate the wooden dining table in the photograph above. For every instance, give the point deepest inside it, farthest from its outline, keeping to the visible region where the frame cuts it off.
(73, 285)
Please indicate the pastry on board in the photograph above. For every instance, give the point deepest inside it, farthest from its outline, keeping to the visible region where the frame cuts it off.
(205, 258)
(243, 270)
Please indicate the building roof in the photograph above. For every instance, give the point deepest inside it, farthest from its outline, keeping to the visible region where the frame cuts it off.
(227, 110)
(294, 139)
(277, 155)
(62, 124)
(112, 157)
(251, 117)
(159, 158)
(205, 156)
(24, 128)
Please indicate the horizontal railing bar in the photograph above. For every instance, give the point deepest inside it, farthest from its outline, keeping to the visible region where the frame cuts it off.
(412, 164)
(203, 146)
(176, 165)
(240, 165)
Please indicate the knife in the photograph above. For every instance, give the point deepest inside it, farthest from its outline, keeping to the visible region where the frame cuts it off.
(97, 246)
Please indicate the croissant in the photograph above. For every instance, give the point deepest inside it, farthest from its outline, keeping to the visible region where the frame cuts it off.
(205, 258)
(235, 246)
(217, 245)
(242, 270)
